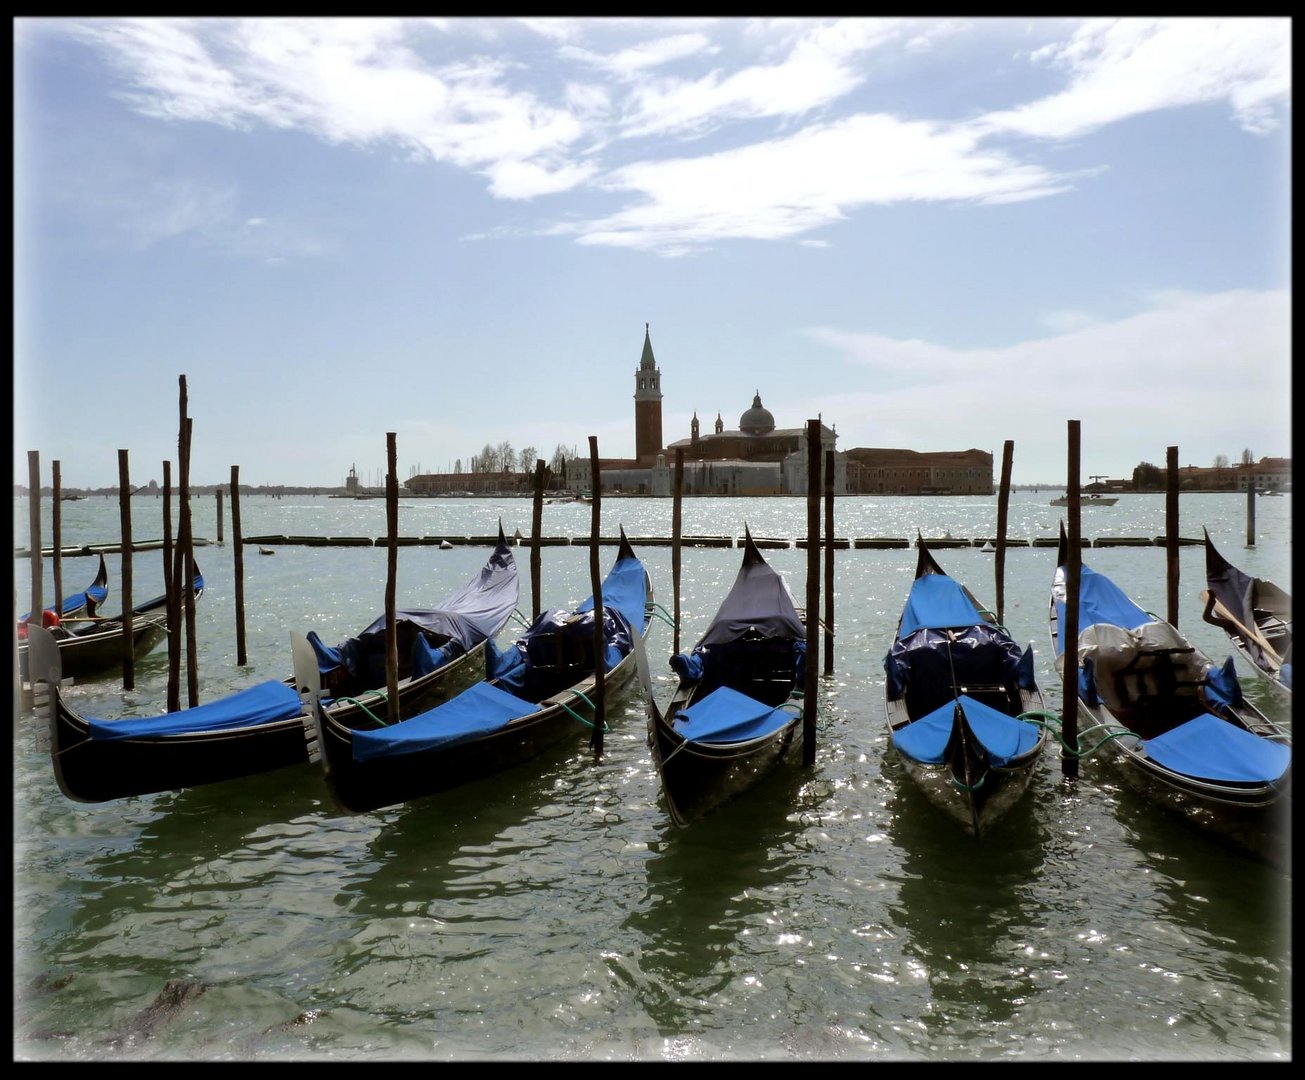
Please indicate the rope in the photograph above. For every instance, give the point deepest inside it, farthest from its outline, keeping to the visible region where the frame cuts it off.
(375, 695)
(580, 718)
(664, 615)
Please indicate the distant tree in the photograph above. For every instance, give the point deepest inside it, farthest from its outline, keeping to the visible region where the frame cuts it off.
(558, 464)
(457, 466)
(1147, 476)
(488, 460)
(1247, 457)
(507, 458)
(1221, 461)
(528, 457)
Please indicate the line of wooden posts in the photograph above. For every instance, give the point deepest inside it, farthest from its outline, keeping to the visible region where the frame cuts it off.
(181, 600)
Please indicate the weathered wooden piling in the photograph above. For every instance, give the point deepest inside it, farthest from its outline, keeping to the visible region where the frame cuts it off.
(392, 565)
(1003, 508)
(239, 566)
(218, 495)
(1068, 627)
(811, 684)
(1171, 532)
(595, 575)
(536, 527)
(124, 510)
(34, 530)
(56, 534)
(829, 562)
(173, 603)
(676, 518)
(1250, 514)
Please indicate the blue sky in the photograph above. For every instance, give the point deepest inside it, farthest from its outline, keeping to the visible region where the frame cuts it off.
(935, 233)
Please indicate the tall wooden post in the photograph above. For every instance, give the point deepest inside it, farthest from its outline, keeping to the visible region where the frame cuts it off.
(1250, 515)
(676, 520)
(1069, 628)
(1171, 531)
(173, 606)
(595, 576)
(829, 562)
(184, 564)
(813, 594)
(56, 535)
(239, 553)
(124, 507)
(218, 495)
(536, 526)
(34, 530)
(392, 564)
(1003, 505)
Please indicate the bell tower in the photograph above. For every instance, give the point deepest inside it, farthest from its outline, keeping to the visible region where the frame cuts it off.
(647, 404)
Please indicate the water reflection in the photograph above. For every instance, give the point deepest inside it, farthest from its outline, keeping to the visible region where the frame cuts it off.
(709, 887)
(964, 907)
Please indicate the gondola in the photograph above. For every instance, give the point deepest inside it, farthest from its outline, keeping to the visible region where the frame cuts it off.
(1254, 613)
(436, 648)
(536, 692)
(92, 646)
(965, 714)
(736, 711)
(81, 603)
(1176, 724)
(255, 730)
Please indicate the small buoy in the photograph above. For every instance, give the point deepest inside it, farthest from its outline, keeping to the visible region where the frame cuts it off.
(266, 551)
(445, 545)
(987, 548)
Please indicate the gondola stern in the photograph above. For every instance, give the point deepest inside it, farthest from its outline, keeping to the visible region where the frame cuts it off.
(308, 685)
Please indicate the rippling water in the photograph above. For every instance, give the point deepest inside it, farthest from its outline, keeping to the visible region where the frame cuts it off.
(554, 912)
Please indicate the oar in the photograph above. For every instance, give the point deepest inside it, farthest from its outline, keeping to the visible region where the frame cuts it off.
(1247, 632)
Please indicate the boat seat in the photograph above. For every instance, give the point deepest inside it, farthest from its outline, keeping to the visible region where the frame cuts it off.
(1149, 679)
(764, 668)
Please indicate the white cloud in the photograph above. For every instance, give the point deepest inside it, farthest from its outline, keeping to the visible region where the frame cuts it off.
(781, 188)
(1208, 373)
(1124, 67)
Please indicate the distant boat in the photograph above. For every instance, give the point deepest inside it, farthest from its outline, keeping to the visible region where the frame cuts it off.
(1089, 499)
(266, 551)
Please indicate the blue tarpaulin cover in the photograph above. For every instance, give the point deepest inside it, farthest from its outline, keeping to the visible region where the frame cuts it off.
(1100, 600)
(937, 602)
(726, 716)
(265, 703)
(472, 714)
(1213, 749)
(1003, 737)
(626, 589)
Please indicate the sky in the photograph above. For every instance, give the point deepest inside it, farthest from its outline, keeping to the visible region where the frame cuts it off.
(935, 234)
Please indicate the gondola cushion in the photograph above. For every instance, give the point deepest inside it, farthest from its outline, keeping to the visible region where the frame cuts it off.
(727, 716)
(476, 712)
(1209, 748)
(265, 703)
(1004, 737)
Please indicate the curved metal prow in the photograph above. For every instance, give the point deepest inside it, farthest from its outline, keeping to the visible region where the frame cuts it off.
(308, 685)
(45, 673)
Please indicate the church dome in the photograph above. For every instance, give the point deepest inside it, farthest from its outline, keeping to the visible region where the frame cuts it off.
(757, 420)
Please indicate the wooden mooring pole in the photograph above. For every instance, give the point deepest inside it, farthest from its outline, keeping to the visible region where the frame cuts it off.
(56, 534)
(1171, 532)
(1250, 515)
(536, 528)
(34, 530)
(595, 576)
(1003, 508)
(124, 508)
(676, 522)
(173, 605)
(218, 495)
(829, 562)
(1069, 627)
(811, 683)
(391, 572)
(237, 541)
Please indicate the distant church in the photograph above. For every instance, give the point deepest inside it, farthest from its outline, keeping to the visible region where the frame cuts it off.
(755, 459)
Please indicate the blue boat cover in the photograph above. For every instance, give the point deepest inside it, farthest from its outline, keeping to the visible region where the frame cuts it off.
(265, 703)
(1100, 600)
(984, 653)
(758, 600)
(626, 589)
(1209, 748)
(1003, 737)
(727, 716)
(477, 711)
(937, 602)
